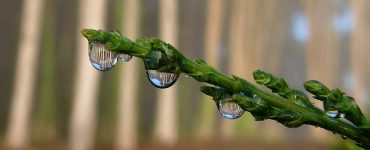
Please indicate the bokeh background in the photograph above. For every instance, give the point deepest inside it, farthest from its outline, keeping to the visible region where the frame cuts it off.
(52, 98)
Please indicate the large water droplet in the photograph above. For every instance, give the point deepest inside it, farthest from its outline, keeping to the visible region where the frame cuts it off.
(161, 79)
(100, 58)
(344, 137)
(229, 109)
(124, 57)
(334, 114)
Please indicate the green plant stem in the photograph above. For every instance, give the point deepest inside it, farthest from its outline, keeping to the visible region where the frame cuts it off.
(202, 72)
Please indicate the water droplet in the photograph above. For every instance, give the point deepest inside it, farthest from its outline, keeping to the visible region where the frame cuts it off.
(100, 58)
(229, 109)
(124, 57)
(344, 137)
(255, 96)
(334, 114)
(341, 115)
(161, 79)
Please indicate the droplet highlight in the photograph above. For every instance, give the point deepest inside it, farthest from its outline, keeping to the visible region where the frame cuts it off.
(161, 79)
(124, 57)
(100, 58)
(334, 114)
(229, 109)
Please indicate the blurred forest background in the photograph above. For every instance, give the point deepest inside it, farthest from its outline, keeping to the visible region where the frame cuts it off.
(52, 98)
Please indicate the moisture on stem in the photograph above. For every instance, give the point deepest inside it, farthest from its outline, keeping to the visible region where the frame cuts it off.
(234, 95)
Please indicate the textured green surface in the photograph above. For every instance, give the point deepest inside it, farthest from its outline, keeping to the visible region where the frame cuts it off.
(288, 106)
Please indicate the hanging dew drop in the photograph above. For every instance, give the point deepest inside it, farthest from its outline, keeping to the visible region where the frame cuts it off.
(124, 57)
(229, 109)
(334, 114)
(100, 58)
(161, 79)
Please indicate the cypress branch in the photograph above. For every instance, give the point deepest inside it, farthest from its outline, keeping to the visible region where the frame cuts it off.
(286, 105)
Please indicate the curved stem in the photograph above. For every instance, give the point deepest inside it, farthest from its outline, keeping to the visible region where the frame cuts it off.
(202, 72)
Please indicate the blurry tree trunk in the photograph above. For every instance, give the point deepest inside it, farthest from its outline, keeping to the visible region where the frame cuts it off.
(127, 119)
(322, 53)
(267, 50)
(359, 47)
(91, 15)
(236, 52)
(44, 126)
(277, 39)
(65, 26)
(166, 123)
(212, 38)
(250, 32)
(21, 104)
(264, 28)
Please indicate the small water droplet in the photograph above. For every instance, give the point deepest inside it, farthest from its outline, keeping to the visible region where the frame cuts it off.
(334, 114)
(124, 57)
(344, 137)
(341, 115)
(161, 79)
(100, 58)
(255, 96)
(229, 109)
